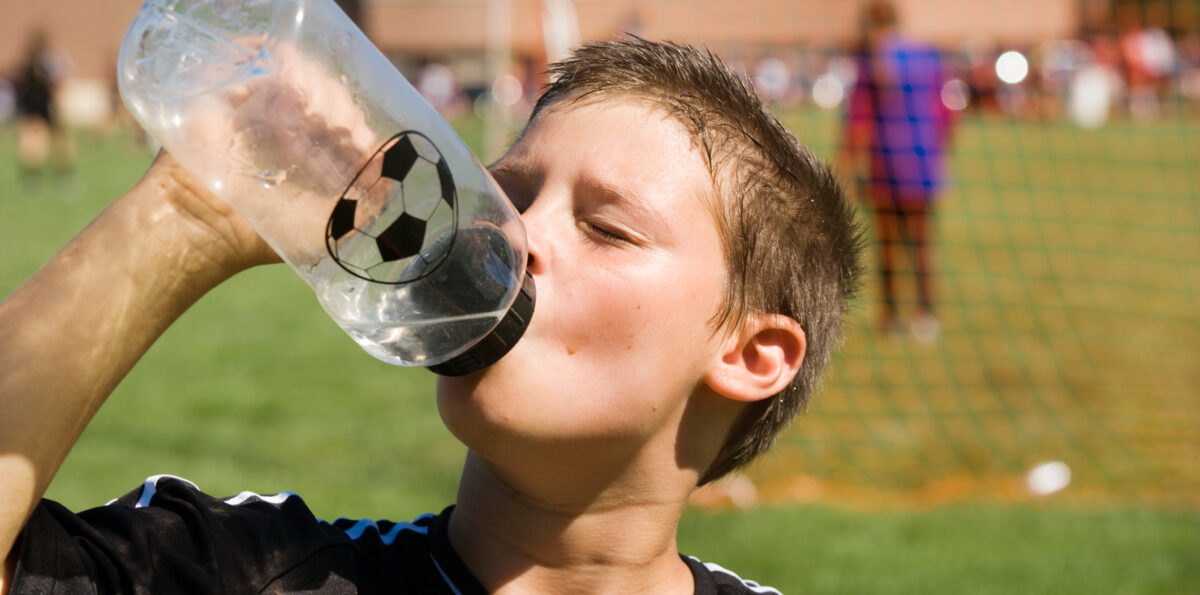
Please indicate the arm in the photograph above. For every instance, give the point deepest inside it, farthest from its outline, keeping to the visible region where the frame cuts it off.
(70, 333)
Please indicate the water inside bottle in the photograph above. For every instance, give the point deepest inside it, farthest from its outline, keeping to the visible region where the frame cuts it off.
(433, 319)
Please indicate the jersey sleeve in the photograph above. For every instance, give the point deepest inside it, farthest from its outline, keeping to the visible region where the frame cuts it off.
(168, 537)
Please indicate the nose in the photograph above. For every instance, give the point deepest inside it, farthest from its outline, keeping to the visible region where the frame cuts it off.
(535, 263)
(535, 240)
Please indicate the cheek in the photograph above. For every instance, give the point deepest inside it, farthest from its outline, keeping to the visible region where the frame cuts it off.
(603, 313)
(640, 318)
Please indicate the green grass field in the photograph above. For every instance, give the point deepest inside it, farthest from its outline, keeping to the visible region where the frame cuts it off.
(256, 389)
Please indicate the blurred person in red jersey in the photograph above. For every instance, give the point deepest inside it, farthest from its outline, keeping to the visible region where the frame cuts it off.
(896, 132)
(41, 132)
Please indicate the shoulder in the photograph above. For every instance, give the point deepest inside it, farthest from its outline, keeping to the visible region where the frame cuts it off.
(310, 554)
(713, 579)
(168, 534)
(164, 503)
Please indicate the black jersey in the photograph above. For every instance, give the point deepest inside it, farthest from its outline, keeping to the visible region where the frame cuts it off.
(169, 537)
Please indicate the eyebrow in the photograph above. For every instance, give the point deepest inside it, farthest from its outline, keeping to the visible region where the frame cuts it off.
(622, 197)
(632, 203)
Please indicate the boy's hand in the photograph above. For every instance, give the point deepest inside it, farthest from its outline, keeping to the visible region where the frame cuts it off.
(281, 147)
(213, 227)
(317, 131)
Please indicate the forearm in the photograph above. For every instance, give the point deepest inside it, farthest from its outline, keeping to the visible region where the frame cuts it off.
(71, 332)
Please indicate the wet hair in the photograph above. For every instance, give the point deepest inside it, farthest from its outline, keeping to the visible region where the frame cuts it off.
(791, 244)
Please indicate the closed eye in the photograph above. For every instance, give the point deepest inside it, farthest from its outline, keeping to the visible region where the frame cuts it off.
(609, 234)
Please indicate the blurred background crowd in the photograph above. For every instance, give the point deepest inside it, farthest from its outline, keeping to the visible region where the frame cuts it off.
(1086, 60)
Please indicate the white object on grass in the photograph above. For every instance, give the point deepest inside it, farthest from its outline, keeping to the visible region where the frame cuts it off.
(1048, 478)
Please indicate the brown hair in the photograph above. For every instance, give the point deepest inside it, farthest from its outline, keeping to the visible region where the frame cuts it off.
(790, 242)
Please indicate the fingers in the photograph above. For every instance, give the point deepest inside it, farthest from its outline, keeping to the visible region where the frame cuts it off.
(282, 148)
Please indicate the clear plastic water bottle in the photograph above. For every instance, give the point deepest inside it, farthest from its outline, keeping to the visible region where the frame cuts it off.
(288, 112)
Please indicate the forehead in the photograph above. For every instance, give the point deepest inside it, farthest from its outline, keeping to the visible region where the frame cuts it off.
(624, 140)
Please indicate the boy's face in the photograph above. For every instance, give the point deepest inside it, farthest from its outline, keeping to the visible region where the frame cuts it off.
(629, 272)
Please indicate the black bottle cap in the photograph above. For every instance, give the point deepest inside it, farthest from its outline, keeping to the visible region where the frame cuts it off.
(497, 343)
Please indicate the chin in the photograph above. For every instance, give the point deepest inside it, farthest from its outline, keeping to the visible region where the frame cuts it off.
(477, 407)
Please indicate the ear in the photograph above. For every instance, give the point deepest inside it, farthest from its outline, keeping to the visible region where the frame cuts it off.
(759, 360)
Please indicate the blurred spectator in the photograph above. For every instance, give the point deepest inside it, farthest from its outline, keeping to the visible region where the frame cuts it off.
(1149, 58)
(1189, 71)
(772, 79)
(1094, 88)
(8, 100)
(437, 84)
(896, 129)
(1017, 92)
(1058, 62)
(41, 133)
(981, 76)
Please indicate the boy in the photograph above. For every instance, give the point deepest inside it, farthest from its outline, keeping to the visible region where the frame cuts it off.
(692, 264)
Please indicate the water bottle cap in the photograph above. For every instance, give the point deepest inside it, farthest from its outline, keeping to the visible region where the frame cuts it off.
(497, 343)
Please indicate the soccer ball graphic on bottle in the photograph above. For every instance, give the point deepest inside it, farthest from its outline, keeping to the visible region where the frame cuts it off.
(397, 220)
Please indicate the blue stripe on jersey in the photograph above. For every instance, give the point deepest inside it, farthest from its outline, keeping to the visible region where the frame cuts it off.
(445, 577)
(389, 535)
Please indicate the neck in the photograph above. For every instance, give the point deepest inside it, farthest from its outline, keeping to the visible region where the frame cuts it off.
(515, 541)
